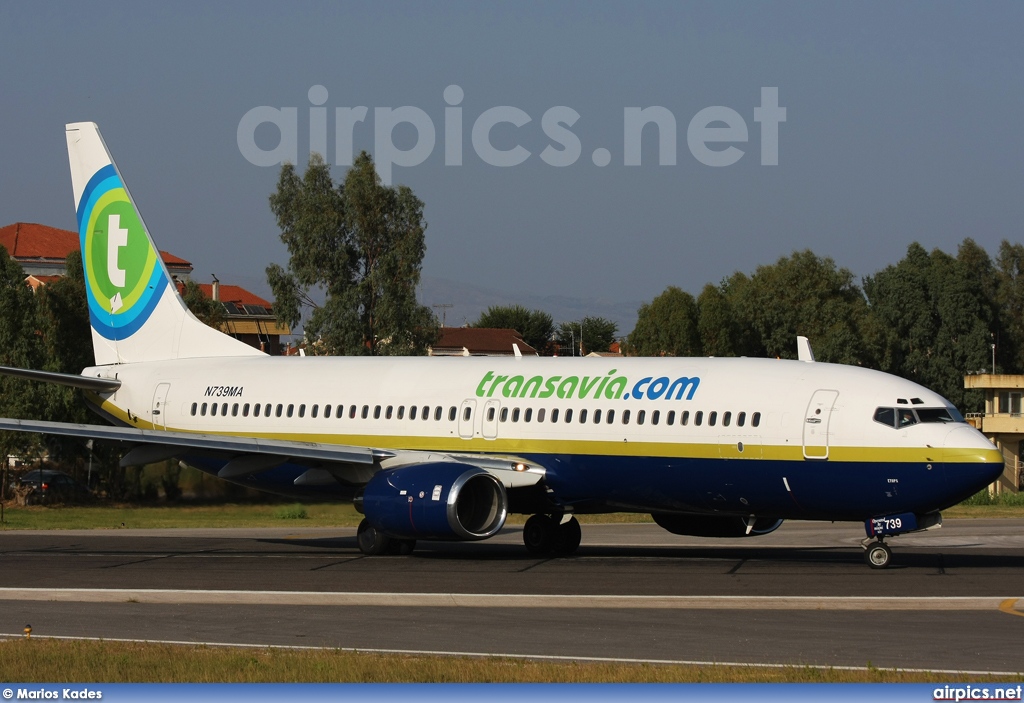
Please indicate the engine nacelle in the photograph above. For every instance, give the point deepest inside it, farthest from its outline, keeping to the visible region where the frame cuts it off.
(714, 525)
(445, 500)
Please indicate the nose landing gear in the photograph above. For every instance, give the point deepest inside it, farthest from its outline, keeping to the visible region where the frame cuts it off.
(877, 554)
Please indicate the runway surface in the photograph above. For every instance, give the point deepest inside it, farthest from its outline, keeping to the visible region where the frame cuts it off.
(799, 596)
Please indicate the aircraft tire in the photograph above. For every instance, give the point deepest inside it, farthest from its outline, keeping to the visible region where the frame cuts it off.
(539, 535)
(402, 547)
(878, 555)
(567, 537)
(372, 542)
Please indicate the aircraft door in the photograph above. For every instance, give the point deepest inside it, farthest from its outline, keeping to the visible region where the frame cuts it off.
(490, 419)
(466, 419)
(816, 421)
(160, 406)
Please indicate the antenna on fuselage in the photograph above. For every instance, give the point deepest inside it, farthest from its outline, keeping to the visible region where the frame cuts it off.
(803, 349)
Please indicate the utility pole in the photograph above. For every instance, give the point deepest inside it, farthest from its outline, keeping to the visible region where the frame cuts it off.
(444, 311)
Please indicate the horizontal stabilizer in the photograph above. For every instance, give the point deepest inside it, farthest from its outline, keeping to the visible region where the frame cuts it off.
(100, 385)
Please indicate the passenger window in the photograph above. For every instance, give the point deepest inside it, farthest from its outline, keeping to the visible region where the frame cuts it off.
(376, 412)
(741, 419)
(223, 408)
(314, 410)
(195, 406)
(684, 419)
(504, 415)
(401, 411)
(213, 409)
(671, 419)
(528, 415)
(641, 415)
(202, 410)
(266, 410)
(412, 412)
(655, 417)
(437, 413)
(366, 412)
(389, 412)
(234, 410)
(712, 418)
(583, 416)
(279, 410)
(467, 412)
(554, 415)
(726, 419)
(568, 415)
(540, 415)
(452, 412)
(245, 410)
(327, 411)
(351, 412)
(302, 410)
(515, 415)
(597, 416)
(611, 417)
(755, 420)
(291, 409)
(698, 418)
(490, 414)
(256, 410)
(625, 417)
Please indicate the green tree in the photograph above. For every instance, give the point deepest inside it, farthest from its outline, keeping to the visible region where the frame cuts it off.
(20, 348)
(1009, 297)
(803, 295)
(667, 326)
(361, 245)
(536, 326)
(936, 318)
(208, 310)
(598, 334)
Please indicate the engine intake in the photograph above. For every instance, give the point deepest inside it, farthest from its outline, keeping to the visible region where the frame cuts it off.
(444, 500)
(714, 525)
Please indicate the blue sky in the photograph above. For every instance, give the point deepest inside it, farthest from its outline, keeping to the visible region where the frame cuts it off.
(902, 124)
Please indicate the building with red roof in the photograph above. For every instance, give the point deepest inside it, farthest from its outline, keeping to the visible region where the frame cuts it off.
(42, 252)
(479, 341)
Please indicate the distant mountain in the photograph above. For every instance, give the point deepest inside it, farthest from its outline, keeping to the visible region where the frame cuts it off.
(469, 301)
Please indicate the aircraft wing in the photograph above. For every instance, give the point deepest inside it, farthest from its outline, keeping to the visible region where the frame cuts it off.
(246, 455)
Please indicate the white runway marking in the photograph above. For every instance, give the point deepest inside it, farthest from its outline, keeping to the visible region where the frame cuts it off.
(499, 600)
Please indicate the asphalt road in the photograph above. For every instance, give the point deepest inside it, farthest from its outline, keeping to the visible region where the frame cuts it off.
(800, 596)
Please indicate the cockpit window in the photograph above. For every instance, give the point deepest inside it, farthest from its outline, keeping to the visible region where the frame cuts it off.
(939, 415)
(899, 418)
(886, 416)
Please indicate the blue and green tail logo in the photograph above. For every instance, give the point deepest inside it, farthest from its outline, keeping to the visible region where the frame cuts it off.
(124, 276)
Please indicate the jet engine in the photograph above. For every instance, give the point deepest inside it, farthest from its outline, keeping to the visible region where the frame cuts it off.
(444, 500)
(715, 525)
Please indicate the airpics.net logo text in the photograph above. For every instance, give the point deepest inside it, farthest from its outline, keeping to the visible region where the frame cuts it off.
(712, 134)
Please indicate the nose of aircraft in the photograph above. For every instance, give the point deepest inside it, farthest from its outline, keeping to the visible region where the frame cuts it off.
(970, 461)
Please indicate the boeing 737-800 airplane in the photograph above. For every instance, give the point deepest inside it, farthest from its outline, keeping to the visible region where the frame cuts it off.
(445, 448)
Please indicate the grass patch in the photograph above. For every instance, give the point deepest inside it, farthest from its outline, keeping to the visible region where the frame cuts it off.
(193, 516)
(74, 661)
(292, 512)
(984, 505)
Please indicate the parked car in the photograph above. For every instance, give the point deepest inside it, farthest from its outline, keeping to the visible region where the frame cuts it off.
(51, 486)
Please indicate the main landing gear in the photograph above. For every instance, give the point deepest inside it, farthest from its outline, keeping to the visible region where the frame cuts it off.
(877, 554)
(546, 535)
(372, 542)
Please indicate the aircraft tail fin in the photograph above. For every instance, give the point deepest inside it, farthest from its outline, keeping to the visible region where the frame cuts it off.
(135, 310)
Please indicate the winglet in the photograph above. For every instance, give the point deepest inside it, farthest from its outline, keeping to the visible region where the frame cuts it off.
(803, 349)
